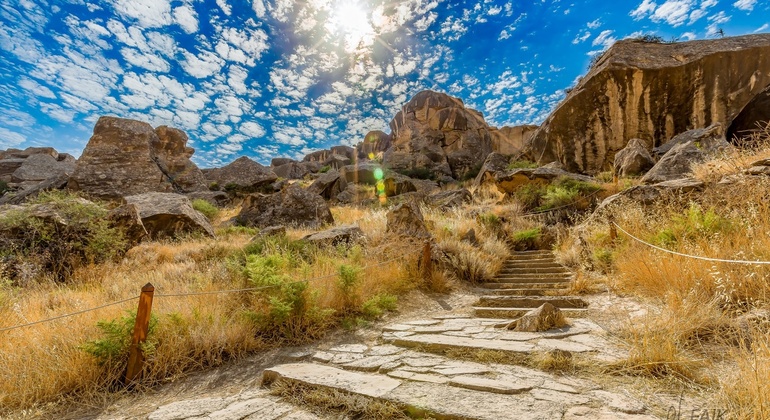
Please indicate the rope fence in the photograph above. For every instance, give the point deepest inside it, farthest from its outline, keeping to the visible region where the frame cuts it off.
(696, 257)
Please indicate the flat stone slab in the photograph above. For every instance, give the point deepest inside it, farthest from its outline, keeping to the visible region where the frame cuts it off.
(350, 348)
(366, 384)
(261, 406)
(371, 363)
(493, 385)
(424, 322)
(569, 346)
(419, 377)
(436, 342)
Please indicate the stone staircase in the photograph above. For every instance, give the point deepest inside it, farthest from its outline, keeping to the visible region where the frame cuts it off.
(527, 280)
(458, 366)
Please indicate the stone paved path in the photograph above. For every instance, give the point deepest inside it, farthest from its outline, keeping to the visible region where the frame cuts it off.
(424, 365)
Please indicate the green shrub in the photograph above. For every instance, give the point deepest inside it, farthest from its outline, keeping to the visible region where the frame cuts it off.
(73, 232)
(214, 186)
(207, 209)
(565, 191)
(522, 164)
(375, 306)
(112, 349)
(530, 195)
(347, 283)
(489, 220)
(525, 239)
(324, 169)
(694, 223)
(4, 187)
(603, 259)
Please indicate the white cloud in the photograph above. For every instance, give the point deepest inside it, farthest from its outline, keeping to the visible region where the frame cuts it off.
(747, 5)
(674, 12)
(403, 66)
(206, 64)
(762, 28)
(259, 8)
(243, 46)
(148, 13)
(453, 29)
(581, 37)
(226, 8)
(503, 35)
(186, 17)
(252, 129)
(147, 61)
(36, 89)
(10, 138)
(688, 36)
(605, 39)
(595, 24)
(643, 10)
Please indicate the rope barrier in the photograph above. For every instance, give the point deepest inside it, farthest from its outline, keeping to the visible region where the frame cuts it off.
(69, 315)
(697, 257)
(189, 294)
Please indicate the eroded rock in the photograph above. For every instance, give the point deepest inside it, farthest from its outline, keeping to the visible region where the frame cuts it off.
(169, 214)
(292, 206)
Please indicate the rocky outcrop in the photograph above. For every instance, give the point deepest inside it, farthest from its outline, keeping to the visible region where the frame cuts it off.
(755, 116)
(375, 143)
(291, 170)
(329, 185)
(675, 164)
(168, 214)
(275, 162)
(543, 318)
(293, 206)
(633, 160)
(363, 173)
(437, 132)
(511, 140)
(338, 235)
(355, 194)
(446, 200)
(57, 182)
(243, 174)
(710, 139)
(406, 220)
(510, 181)
(127, 157)
(494, 164)
(25, 168)
(653, 92)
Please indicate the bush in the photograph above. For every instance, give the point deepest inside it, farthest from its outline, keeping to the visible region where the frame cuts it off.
(207, 209)
(693, 224)
(60, 231)
(522, 164)
(379, 304)
(525, 239)
(324, 169)
(489, 220)
(565, 191)
(112, 349)
(4, 187)
(347, 283)
(530, 195)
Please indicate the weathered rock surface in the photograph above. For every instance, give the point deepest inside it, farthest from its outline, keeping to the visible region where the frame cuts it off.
(39, 167)
(675, 164)
(54, 183)
(543, 318)
(709, 139)
(448, 199)
(406, 219)
(125, 157)
(242, 174)
(509, 181)
(338, 235)
(437, 132)
(374, 144)
(363, 173)
(493, 165)
(634, 159)
(753, 117)
(293, 206)
(653, 92)
(355, 194)
(128, 218)
(648, 194)
(329, 185)
(511, 140)
(168, 214)
(279, 161)
(291, 170)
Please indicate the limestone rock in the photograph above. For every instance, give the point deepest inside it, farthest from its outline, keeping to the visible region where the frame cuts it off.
(29, 151)
(337, 162)
(312, 167)
(243, 174)
(291, 170)
(406, 219)
(125, 157)
(543, 318)
(675, 164)
(493, 164)
(169, 214)
(649, 194)
(634, 159)
(652, 91)
(329, 185)
(752, 118)
(709, 139)
(338, 235)
(39, 167)
(217, 198)
(8, 166)
(293, 206)
(437, 132)
(396, 184)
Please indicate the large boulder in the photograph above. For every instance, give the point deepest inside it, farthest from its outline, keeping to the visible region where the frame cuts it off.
(281, 161)
(709, 139)
(40, 167)
(291, 170)
(675, 164)
(363, 173)
(652, 91)
(173, 158)
(328, 185)
(406, 219)
(355, 194)
(436, 131)
(127, 157)
(291, 206)
(338, 235)
(168, 214)
(446, 200)
(510, 181)
(374, 144)
(494, 164)
(242, 174)
(634, 159)
(56, 182)
(754, 117)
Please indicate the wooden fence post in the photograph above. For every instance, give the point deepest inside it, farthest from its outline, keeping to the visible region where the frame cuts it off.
(427, 263)
(139, 336)
(613, 229)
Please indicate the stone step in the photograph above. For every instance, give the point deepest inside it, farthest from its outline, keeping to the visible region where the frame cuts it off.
(531, 279)
(532, 284)
(522, 264)
(512, 313)
(553, 270)
(525, 292)
(521, 260)
(462, 397)
(561, 302)
(533, 252)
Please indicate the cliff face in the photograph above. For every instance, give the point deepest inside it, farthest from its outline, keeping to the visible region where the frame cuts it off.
(652, 92)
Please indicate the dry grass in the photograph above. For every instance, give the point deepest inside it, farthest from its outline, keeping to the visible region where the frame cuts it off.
(735, 160)
(47, 362)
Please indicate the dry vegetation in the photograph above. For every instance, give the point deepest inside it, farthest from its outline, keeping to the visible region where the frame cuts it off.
(81, 359)
(709, 326)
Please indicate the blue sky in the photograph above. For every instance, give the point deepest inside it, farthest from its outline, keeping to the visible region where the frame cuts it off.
(283, 78)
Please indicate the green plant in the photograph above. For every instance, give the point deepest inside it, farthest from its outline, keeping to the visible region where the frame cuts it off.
(378, 304)
(207, 209)
(603, 259)
(525, 239)
(231, 187)
(347, 282)
(214, 186)
(565, 191)
(692, 224)
(112, 348)
(522, 164)
(324, 169)
(530, 195)
(3, 187)
(489, 220)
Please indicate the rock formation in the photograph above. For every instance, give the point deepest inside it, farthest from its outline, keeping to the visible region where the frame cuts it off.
(127, 157)
(329, 185)
(406, 219)
(436, 131)
(25, 168)
(293, 206)
(633, 160)
(675, 164)
(511, 140)
(338, 235)
(243, 174)
(168, 214)
(652, 92)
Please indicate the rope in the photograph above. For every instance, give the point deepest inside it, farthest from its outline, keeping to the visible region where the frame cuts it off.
(68, 315)
(535, 213)
(188, 294)
(697, 257)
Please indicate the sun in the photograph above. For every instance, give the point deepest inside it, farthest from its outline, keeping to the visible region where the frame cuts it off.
(349, 19)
